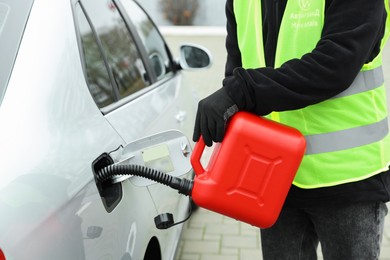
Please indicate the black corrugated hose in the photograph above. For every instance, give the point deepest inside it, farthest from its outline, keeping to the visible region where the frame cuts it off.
(184, 186)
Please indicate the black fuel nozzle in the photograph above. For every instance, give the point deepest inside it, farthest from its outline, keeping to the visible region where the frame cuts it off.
(183, 186)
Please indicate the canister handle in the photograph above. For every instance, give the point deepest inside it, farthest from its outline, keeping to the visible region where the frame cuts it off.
(196, 156)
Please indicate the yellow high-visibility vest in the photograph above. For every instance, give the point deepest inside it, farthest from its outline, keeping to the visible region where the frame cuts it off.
(347, 136)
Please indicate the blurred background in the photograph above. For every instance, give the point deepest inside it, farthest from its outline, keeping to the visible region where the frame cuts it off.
(186, 12)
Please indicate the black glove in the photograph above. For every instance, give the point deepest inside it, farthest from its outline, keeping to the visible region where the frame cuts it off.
(213, 113)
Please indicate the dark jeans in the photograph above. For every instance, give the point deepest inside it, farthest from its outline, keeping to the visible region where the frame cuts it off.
(353, 232)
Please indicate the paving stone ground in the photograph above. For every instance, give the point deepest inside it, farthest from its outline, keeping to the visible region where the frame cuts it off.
(211, 236)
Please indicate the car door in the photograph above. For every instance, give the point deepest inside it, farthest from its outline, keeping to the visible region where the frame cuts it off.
(139, 94)
(126, 226)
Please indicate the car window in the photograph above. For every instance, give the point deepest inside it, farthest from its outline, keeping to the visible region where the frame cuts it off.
(151, 38)
(98, 78)
(107, 42)
(13, 17)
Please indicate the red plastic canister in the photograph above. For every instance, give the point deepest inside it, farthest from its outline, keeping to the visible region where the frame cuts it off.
(250, 173)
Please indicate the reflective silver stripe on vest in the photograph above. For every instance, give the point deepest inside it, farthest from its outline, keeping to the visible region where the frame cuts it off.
(346, 139)
(365, 81)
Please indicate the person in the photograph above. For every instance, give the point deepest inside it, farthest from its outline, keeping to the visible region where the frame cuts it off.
(314, 65)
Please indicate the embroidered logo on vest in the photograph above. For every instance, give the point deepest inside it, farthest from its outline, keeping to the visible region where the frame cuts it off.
(304, 4)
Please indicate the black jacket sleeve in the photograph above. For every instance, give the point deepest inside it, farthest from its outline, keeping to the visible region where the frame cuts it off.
(351, 37)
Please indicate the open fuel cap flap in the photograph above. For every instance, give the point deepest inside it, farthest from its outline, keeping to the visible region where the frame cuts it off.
(168, 152)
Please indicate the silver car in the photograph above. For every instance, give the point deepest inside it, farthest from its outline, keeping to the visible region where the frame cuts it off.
(79, 81)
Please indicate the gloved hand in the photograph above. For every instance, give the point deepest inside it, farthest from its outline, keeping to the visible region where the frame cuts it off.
(213, 113)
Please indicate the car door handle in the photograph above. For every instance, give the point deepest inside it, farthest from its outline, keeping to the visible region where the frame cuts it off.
(181, 116)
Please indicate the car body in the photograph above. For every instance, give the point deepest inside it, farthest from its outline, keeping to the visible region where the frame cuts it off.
(80, 80)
